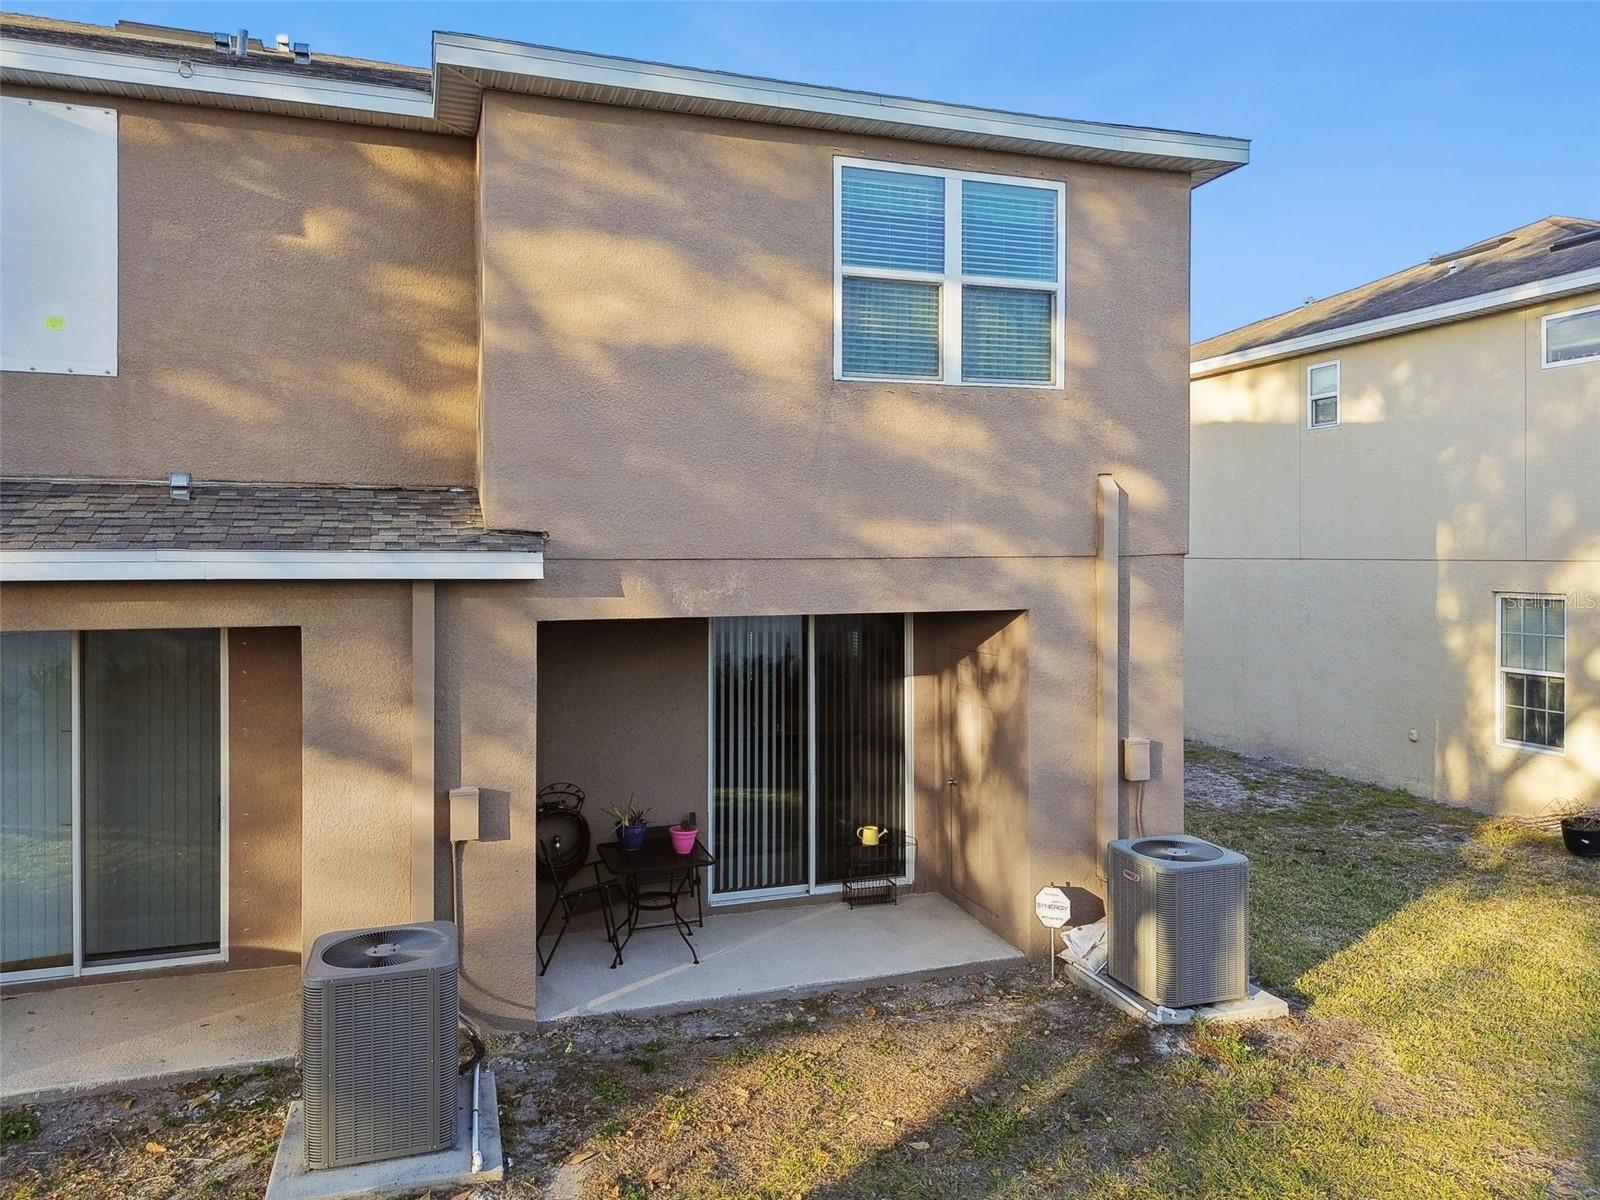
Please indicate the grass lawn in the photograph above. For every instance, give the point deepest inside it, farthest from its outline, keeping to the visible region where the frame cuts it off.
(1445, 972)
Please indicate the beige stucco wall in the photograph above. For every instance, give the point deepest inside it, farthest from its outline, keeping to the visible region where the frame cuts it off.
(297, 304)
(1341, 581)
(264, 796)
(355, 756)
(657, 354)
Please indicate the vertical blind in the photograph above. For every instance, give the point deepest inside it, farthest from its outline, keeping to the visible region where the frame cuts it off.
(152, 792)
(1572, 337)
(760, 823)
(860, 721)
(35, 800)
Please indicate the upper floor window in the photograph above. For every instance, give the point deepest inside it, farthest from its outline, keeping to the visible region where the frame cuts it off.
(1572, 337)
(947, 276)
(1322, 395)
(1533, 671)
(58, 237)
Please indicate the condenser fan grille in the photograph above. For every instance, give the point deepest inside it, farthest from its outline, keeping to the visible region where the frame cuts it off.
(383, 948)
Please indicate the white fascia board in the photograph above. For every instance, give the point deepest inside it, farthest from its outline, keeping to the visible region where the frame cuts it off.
(470, 54)
(204, 79)
(76, 566)
(1436, 314)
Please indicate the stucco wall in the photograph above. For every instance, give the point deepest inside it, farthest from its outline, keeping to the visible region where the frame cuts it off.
(623, 713)
(355, 756)
(1341, 581)
(264, 848)
(297, 304)
(657, 354)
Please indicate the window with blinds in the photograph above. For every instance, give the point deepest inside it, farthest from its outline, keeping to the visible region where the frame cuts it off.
(1572, 337)
(948, 276)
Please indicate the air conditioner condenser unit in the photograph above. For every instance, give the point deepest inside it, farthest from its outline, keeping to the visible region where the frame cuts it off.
(379, 1075)
(1178, 909)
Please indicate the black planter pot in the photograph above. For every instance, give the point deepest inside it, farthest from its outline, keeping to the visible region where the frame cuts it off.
(1581, 835)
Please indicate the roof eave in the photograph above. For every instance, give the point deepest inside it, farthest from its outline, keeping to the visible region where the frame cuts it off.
(465, 66)
(80, 566)
(1419, 318)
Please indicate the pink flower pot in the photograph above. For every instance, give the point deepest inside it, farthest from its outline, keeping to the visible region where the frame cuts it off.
(683, 840)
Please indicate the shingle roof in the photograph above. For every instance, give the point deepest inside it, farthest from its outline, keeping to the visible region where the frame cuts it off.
(41, 514)
(1547, 248)
(154, 41)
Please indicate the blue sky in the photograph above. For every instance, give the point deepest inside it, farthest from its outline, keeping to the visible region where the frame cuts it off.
(1381, 133)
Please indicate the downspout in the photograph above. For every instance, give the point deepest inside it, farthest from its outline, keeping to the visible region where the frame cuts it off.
(422, 718)
(1108, 668)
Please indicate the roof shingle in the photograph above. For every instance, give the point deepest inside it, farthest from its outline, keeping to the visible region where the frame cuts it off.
(44, 514)
(1526, 255)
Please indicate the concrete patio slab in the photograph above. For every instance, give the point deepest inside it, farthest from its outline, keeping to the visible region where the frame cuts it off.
(764, 950)
(100, 1036)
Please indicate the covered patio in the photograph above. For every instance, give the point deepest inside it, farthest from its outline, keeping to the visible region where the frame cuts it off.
(762, 950)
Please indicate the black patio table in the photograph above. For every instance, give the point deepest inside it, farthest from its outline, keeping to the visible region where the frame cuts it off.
(655, 878)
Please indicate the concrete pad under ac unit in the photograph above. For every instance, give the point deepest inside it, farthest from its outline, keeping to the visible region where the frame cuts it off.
(452, 1168)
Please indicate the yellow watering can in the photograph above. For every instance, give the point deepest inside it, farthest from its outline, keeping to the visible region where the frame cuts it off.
(868, 835)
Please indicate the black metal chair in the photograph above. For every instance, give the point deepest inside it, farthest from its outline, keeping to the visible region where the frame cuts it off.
(563, 862)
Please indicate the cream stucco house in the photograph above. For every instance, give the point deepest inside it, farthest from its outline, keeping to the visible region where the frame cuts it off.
(793, 456)
(1394, 563)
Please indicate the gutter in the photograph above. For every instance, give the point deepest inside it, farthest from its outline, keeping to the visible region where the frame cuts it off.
(1417, 318)
(77, 566)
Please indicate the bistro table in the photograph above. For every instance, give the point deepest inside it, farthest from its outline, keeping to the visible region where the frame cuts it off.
(655, 878)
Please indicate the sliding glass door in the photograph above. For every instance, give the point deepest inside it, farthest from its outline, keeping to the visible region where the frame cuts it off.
(808, 743)
(111, 798)
(36, 802)
(760, 825)
(152, 793)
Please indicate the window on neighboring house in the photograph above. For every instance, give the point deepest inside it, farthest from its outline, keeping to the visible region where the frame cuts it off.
(58, 237)
(1533, 666)
(948, 276)
(1322, 395)
(1572, 337)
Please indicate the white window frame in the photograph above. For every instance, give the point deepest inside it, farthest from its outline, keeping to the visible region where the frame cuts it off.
(1501, 670)
(952, 279)
(77, 968)
(810, 887)
(1544, 339)
(1337, 395)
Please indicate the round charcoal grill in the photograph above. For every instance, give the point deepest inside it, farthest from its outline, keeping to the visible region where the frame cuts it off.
(562, 830)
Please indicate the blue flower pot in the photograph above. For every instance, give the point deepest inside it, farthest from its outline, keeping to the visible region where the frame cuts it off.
(631, 837)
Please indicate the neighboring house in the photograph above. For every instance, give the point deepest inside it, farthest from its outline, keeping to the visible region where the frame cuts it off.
(741, 446)
(1394, 561)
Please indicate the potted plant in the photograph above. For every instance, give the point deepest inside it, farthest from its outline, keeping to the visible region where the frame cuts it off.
(630, 821)
(684, 835)
(1580, 832)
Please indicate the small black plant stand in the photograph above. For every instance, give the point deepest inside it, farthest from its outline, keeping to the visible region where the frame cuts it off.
(870, 876)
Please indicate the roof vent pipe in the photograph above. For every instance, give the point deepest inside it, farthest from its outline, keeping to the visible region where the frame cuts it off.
(241, 45)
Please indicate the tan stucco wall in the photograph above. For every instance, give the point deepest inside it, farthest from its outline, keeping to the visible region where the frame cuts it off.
(1341, 581)
(657, 354)
(264, 848)
(623, 713)
(355, 756)
(297, 303)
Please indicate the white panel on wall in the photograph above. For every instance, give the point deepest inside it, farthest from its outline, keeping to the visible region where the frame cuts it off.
(58, 238)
